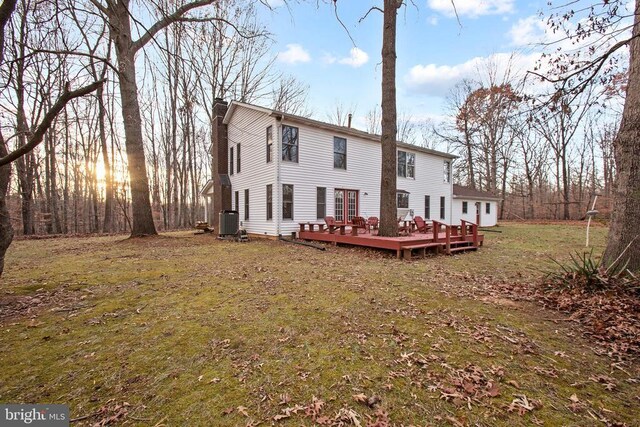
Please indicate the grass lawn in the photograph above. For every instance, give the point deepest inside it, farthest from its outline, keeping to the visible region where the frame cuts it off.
(186, 330)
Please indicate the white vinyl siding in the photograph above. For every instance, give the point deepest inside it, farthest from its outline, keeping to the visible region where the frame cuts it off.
(315, 168)
(248, 127)
(486, 219)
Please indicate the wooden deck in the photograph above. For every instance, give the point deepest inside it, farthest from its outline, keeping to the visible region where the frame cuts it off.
(448, 240)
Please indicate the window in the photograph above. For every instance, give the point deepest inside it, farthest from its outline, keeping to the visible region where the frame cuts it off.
(246, 204)
(487, 208)
(237, 202)
(231, 161)
(447, 171)
(289, 143)
(442, 212)
(287, 201)
(269, 202)
(406, 164)
(339, 153)
(427, 207)
(269, 142)
(238, 157)
(402, 200)
(465, 207)
(321, 202)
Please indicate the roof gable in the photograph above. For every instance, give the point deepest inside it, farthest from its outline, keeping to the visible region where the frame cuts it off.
(292, 118)
(460, 191)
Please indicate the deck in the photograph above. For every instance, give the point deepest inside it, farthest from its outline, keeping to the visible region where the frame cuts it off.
(448, 240)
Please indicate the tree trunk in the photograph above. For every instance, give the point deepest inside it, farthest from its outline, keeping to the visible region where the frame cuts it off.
(388, 207)
(142, 217)
(6, 230)
(624, 230)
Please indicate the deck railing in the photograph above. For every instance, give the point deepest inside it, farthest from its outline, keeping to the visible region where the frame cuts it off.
(468, 227)
(437, 226)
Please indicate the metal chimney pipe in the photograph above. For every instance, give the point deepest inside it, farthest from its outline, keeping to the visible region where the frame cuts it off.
(349, 120)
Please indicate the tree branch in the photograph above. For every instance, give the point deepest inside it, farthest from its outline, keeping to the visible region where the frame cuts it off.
(45, 124)
(168, 20)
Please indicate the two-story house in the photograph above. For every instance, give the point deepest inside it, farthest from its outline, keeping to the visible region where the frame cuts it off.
(278, 169)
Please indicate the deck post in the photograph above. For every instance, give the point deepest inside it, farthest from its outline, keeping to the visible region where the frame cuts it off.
(474, 229)
(447, 230)
(436, 230)
(463, 228)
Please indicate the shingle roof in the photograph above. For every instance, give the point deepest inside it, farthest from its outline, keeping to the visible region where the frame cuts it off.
(460, 191)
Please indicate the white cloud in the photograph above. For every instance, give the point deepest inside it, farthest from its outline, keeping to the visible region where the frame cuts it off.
(433, 20)
(328, 59)
(295, 53)
(437, 80)
(472, 8)
(357, 58)
(530, 31)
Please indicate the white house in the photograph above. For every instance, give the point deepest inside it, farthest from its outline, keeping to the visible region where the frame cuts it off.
(479, 207)
(278, 169)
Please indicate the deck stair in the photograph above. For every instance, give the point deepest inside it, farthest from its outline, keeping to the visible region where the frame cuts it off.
(421, 249)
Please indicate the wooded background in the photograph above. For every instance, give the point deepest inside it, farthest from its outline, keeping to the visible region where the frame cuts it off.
(547, 160)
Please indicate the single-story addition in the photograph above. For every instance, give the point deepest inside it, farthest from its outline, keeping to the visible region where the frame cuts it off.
(278, 169)
(479, 207)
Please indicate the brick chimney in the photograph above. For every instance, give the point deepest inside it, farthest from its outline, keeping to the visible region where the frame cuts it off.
(219, 154)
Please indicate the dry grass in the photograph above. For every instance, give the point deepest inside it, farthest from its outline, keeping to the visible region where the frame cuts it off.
(188, 330)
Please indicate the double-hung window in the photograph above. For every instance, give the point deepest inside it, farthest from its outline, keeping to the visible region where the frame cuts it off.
(246, 204)
(269, 202)
(321, 202)
(339, 153)
(287, 201)
(269, 142)
(447, 171)
(442, 211)
(238, 158)
(231, 161)
(427, 207)
(465, 207)
(487, 208)
(402, 200)
(406, 164)
(289, 143)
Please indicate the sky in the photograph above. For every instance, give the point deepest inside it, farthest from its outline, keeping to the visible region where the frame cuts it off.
(435, 50)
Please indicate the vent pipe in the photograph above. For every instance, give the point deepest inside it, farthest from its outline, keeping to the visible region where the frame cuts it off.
(349, 120)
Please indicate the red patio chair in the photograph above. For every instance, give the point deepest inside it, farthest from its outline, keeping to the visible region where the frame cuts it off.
(359, 222)
(372, 222)
(331, 223)
(421, 225)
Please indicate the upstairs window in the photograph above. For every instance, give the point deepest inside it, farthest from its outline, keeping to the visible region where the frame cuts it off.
(447, 171)
(402, 200)
(238, 157)
(339, 153)
(269, 142)
(406, 164)
(231, 161)
(289, 143)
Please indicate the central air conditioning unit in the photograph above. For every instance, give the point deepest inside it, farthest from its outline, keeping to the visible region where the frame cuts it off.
(229, 221)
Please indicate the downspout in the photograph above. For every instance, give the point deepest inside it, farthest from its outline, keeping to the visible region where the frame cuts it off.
(278, 158)
(451, 191)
